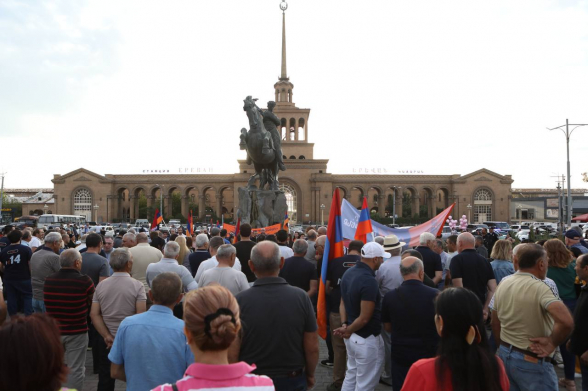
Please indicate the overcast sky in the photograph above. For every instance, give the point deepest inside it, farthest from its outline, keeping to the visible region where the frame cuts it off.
(441, 87)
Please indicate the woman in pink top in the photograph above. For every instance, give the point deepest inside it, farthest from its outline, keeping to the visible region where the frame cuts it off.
(464, 361)
(212, 322)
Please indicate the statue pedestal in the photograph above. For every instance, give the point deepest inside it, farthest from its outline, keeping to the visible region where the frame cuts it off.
(261, 208)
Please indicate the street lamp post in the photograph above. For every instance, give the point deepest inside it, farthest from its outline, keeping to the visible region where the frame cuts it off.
(469, 212)
(322, 214)
(568, 134)
(394, 203)
(96, 213)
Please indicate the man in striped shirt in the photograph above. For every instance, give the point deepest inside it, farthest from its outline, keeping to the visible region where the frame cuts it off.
(68, 297)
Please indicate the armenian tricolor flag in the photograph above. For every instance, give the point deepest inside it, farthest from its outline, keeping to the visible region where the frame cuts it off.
(333, 249)
(237, 230)
(190, 227)
(364, 230)
(157, 219)
(285, 224)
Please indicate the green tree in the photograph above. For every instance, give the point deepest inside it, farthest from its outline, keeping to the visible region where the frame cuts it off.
(406, 205)
(423, 211)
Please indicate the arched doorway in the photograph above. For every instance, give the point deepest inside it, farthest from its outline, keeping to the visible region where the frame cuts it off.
(482, 205)
(291, 201)
(83, 203)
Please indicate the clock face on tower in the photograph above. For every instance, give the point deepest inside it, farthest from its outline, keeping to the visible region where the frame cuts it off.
(283, 6)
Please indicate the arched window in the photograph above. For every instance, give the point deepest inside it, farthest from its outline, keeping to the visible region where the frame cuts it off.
(83, 203)
(482, 206)
(291, 201)
(301, 157)
(292, 157)
(482, 195)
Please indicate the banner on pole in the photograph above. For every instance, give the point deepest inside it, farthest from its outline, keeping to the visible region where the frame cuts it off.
(350, 218)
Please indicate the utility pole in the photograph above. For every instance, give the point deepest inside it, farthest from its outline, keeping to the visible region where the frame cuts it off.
(568, 134)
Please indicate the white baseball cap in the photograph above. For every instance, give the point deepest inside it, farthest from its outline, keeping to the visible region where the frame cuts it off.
(374, 250)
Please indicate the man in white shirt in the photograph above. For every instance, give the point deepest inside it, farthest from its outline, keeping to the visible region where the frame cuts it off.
(224, 274)
(213, 246)
(169, 263)
(37, 239)
(282, 238)
(143, 256)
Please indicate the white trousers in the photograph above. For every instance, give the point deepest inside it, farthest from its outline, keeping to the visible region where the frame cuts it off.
(364, 363)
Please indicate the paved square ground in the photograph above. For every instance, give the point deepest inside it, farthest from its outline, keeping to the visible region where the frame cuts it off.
(324, 376)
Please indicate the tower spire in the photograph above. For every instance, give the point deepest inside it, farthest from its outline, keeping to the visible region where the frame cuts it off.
(283, 7)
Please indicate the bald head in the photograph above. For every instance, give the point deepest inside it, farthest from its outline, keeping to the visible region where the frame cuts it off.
(322, 231)
(465, 241)
(321, 240)
(142, 238)
(266, 258)
(411, 268)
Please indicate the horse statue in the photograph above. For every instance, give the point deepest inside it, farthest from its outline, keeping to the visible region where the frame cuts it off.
(260, 148)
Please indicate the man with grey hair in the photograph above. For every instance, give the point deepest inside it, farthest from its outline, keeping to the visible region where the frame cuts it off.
(470, 270)
(69, 295)
(44, 263)
(321, 231)
(143, 256)
(201, 253)
(408, 314)
(286, 350)
(117, 297)
(215, 243)
(379, 240)
(224, 274)
(389, 278)
(437, 247)
(133, 349)
(480, 248)
(431, 260)
(297, 271)
(215, 231)
(129, 240)
(169, 263)
(311, 239)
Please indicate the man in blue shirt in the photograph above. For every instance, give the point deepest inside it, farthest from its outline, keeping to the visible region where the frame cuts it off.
(151, 348)
(14, 261)
(360, 318)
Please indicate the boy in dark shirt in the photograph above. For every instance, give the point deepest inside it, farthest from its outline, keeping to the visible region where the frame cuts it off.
(14, 261)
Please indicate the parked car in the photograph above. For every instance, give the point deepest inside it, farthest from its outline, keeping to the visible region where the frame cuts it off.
(523, 234)
(501, 225)
(446, 232)
(142, 223)
(175, 223)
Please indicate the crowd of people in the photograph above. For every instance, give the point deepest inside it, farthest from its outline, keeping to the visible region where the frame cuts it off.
(169, 311)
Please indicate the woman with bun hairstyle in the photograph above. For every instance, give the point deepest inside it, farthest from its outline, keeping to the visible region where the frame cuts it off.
(464, 361)
(211, 316)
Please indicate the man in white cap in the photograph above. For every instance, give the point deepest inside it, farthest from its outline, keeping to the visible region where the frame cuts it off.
(360, 311)
(389, 278)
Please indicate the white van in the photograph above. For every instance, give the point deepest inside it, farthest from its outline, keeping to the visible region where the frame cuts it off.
(45, 221)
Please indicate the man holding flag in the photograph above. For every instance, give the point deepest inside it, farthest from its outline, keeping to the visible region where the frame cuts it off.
(360, 311)
(157, 219)
(190, 225)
